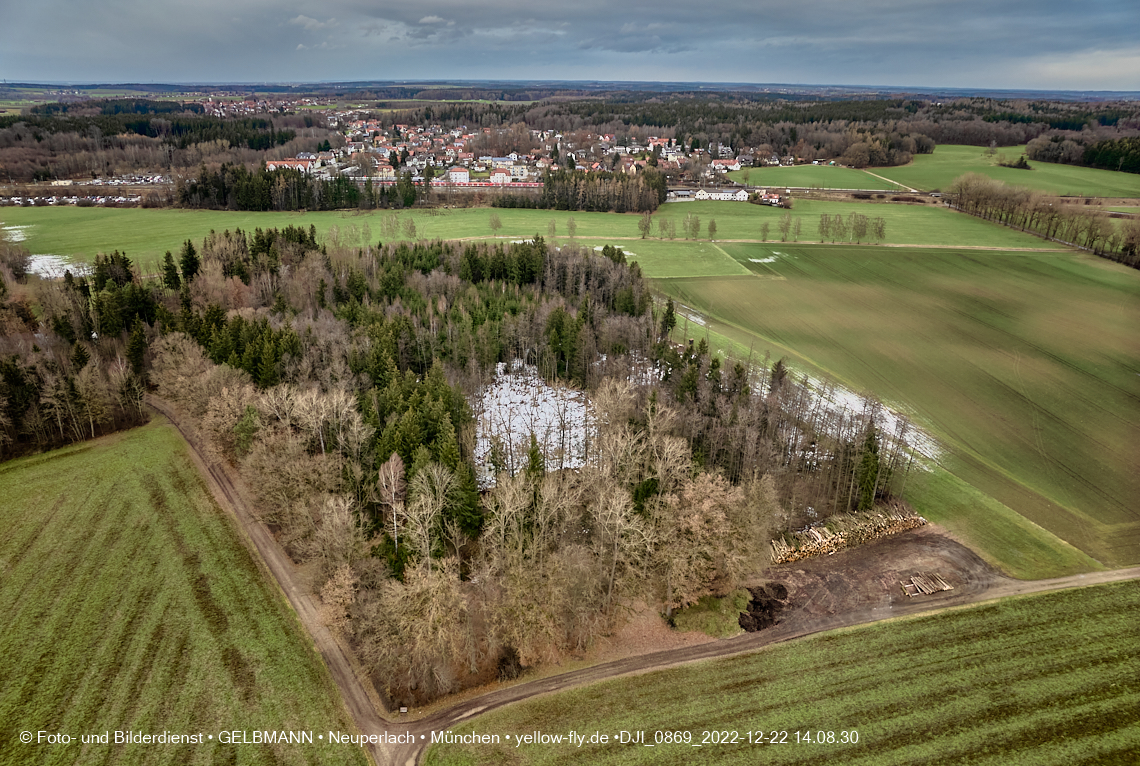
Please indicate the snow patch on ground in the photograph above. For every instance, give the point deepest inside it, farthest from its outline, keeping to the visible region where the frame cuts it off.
(599, 248)
(836, 399)
(518, 403)
(52, 266)
(771, 259)
(16, 233)
(694, 318)
(890, 422)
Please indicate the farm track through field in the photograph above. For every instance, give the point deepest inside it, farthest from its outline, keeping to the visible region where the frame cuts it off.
(223, 488)
(984, 585)
(881, 178)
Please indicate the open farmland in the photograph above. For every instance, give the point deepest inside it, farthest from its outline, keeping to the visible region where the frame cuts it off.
(932, 225)
(77, 234)
(665, 259)
(811, 177)
(938, 171)
(1024, 365)
(1039, 679)
(131, 603)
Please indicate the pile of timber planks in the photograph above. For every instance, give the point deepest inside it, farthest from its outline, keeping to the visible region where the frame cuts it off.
(925, 583)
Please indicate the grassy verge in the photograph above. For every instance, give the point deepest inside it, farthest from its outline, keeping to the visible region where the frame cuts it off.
(1041, 679)
(719, 617)
(132, 604)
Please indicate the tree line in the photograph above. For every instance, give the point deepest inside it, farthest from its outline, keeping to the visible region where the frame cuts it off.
(595, 192)
(47, 146)
(77, 371)
(1031, 210)
(1121, 154)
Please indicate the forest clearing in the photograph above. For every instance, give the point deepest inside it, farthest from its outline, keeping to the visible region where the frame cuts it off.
(1018, 363)
(133, 602)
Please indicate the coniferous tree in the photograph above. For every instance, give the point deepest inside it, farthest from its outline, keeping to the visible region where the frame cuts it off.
(136, 349)
(867, 478)
(189, 261)
(79, 356)
(170, 278)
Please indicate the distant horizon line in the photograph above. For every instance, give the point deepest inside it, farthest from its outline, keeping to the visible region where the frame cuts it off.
(585, 84)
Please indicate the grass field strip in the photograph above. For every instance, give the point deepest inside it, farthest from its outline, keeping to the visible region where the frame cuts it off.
(132, 604)
(836, 399)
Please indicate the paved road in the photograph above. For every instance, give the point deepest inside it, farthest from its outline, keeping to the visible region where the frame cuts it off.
(363, 708)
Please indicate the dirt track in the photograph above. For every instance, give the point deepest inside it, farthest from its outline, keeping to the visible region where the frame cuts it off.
(222, 486)
(853, 587)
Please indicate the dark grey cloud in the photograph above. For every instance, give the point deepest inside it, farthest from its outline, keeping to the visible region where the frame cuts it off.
(968, 43)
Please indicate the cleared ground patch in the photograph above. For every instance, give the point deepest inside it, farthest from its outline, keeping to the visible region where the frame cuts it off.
(131, 603)
(1023, 364)
(1040, 679)
(938, 171)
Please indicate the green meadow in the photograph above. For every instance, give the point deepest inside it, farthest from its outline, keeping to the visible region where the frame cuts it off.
(132, 604)
(937, 171)
(79, 233)
(1022, 364)
(812, 177)
(1043, 679)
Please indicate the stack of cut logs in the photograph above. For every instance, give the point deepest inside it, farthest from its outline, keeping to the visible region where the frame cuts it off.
(849, 530)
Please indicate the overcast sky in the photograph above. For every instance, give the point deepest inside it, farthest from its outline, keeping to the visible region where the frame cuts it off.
(1034, 44)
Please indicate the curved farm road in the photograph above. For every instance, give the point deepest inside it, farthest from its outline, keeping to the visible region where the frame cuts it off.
(853, 587)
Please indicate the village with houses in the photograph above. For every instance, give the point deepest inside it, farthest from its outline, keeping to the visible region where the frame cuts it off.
(366, 148)
(382, 152)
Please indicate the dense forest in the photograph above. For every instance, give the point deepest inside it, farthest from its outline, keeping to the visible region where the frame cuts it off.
(597, 192)
(861, 132)
(106, 137)
(339, 380)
